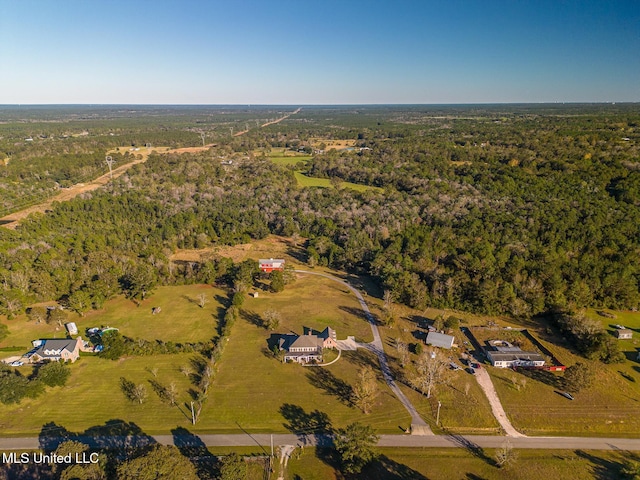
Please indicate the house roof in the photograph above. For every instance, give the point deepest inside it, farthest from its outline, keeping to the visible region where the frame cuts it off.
(439, 340)
(513, 356)
(624, 331)
(270, 260)
(53, 348)
(327, 333)
(286, 340)
(304, 341)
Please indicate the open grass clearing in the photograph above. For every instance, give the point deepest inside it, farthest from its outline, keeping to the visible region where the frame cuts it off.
(306, 181)
(254, 391)
(181, 318)
(315, 302)
(93, 397)
(272, 246)
(290, 160)
(608, 408)
(251, 390)
(332, 143)
(630, 347)
(463, 464)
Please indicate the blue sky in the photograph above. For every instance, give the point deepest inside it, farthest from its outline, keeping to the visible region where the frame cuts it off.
(318, 52)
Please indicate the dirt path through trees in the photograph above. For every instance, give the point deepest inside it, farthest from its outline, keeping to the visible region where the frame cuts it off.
(12, 220)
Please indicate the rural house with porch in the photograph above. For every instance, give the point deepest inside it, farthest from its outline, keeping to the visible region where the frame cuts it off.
(55, 350)
(307, 348)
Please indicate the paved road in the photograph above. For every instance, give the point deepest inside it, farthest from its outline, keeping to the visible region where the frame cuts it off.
(418, 425)
(484, 380)
(264, 440)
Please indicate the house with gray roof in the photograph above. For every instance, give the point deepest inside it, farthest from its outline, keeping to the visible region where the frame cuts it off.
(514, 357)
(307, 348)
(439, 340)
(67, 350)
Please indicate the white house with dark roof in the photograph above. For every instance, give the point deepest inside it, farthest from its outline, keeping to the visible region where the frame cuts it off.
(67, 350)
(514, 357)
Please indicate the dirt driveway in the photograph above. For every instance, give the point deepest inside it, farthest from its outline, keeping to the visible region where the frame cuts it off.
(484, 380)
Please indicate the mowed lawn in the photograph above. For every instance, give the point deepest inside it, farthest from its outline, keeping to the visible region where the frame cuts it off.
(307, 181)
(463, 464)
(93, 396)
(181, 319)
(290, 159)
(254, 391)
(609, 407)
(251, 390)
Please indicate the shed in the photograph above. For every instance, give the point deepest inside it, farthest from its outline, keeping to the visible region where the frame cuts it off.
(439, 340)
(623, 333)
(71, 328)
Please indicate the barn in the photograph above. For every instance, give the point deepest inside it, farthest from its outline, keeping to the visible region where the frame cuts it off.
(271, 264)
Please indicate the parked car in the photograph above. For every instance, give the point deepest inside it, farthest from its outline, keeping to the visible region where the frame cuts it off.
(566, 395)
(471, 370)
(17, 363)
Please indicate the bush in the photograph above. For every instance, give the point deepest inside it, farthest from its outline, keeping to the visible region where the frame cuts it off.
(4, 331)
(277, 281)
(54, 374)
(238, 299)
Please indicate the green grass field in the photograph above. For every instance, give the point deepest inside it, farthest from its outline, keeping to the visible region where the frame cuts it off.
(461, 464)
(283, 157)
(257, 392)
(250, 390)
(181, 318)
(92, 397)
(609, 407)
(306, 181)
(289, 159)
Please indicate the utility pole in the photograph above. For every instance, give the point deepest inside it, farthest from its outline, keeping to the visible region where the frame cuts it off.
(272, 444)
(438, 414)
(109, 161)
(193, 414)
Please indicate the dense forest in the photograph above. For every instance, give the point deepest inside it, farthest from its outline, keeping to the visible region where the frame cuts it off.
(515, 210)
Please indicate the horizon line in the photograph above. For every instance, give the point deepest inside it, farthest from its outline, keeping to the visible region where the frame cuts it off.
(626, 102)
